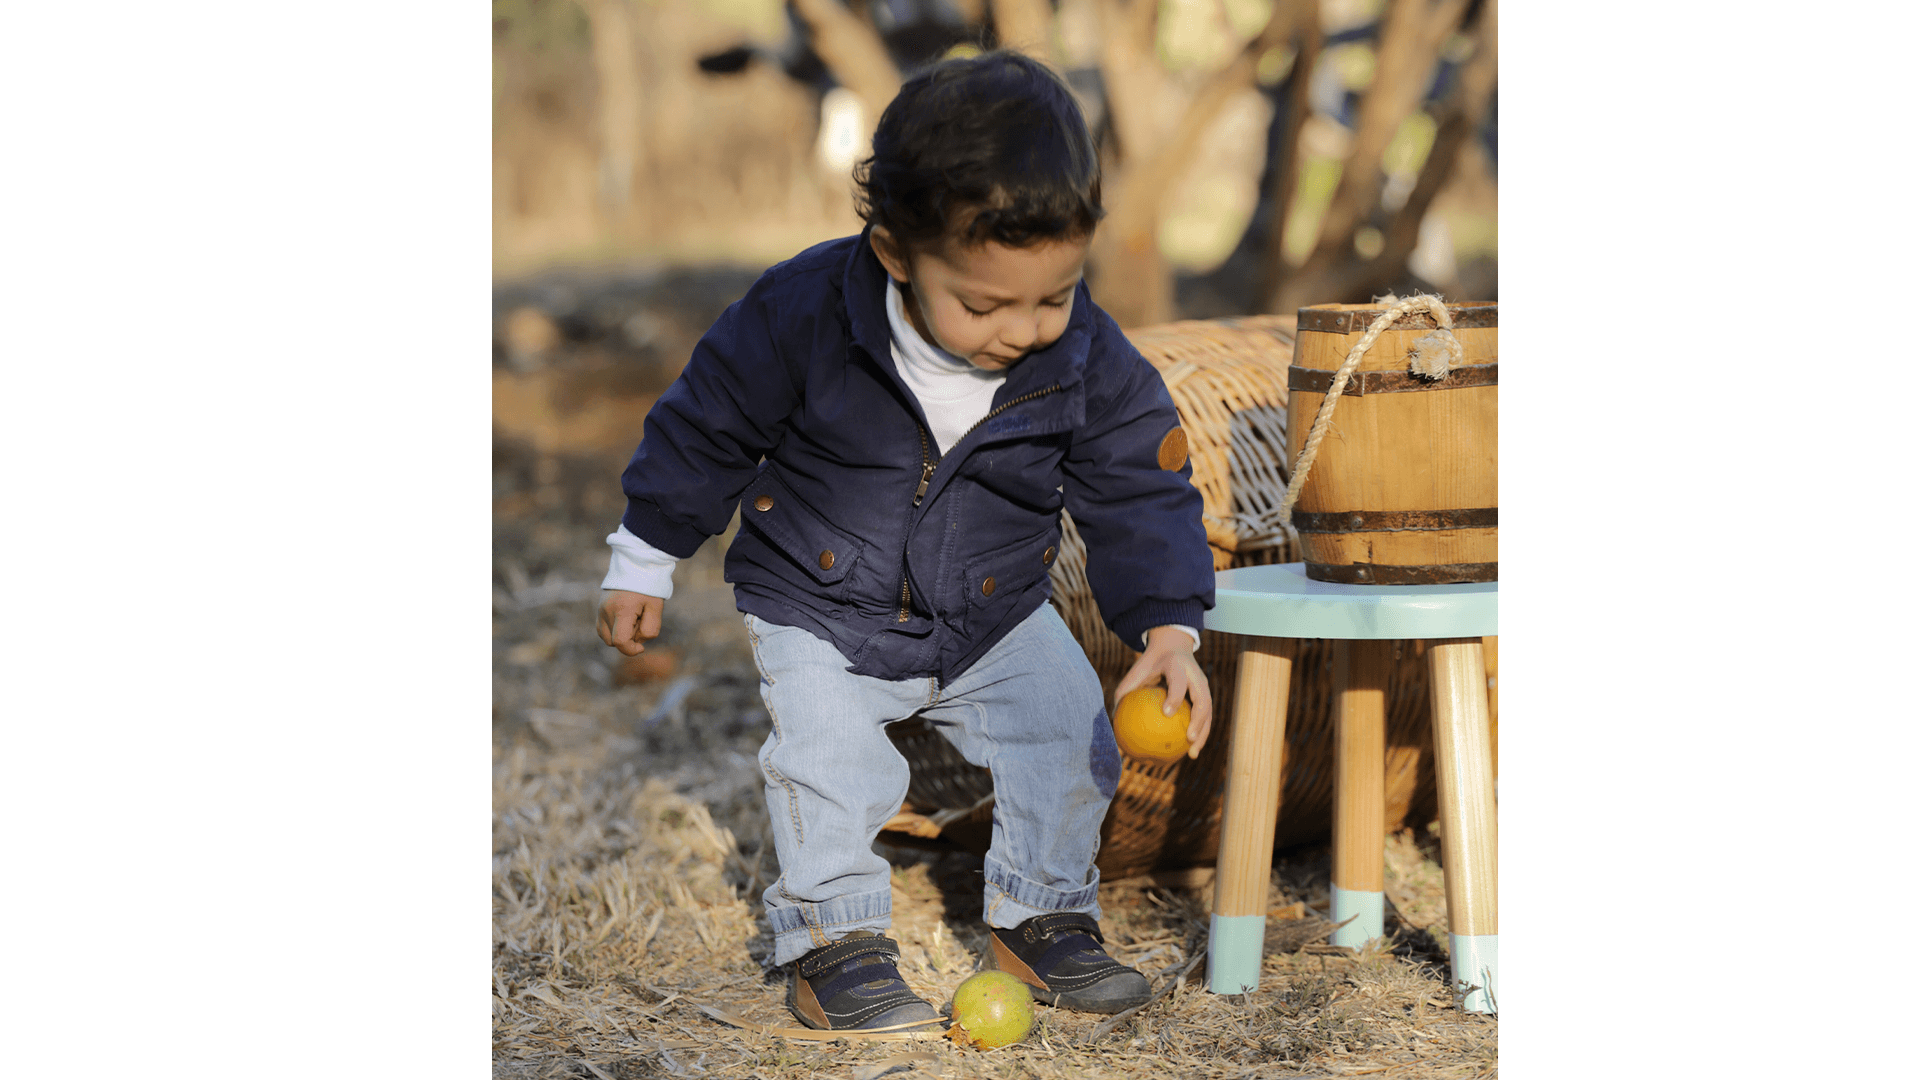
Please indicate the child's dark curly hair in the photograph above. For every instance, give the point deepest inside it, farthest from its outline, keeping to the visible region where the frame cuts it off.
(997, 136)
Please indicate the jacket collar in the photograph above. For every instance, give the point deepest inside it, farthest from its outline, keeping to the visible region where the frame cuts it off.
(864, 290)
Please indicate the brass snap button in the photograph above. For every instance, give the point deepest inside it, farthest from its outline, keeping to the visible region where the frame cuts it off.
(763, 503)
(826, 560)
(1047, 555)
(986, 587)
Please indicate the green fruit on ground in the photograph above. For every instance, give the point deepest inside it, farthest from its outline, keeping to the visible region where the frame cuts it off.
(991, 1010)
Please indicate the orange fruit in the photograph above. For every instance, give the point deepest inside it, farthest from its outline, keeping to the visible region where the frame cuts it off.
(1145, 732)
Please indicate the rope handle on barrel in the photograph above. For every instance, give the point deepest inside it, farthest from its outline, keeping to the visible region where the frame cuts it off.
(1433, 355)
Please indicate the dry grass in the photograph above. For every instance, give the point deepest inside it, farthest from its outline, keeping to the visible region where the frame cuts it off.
(630, 848)
(621, 907)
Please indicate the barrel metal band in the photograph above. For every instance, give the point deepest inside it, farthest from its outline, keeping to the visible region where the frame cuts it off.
(1361, 383)
(1436, 574)
(1465, 317)
(1350, 521)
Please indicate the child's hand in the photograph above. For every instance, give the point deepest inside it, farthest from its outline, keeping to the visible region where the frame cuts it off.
(1169, 658)
(628, 618)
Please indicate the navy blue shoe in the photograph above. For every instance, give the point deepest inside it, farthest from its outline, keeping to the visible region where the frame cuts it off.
(1061, 960)
(855, 984)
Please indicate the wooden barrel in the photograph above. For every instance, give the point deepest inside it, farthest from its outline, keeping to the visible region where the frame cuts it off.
(1404, 487)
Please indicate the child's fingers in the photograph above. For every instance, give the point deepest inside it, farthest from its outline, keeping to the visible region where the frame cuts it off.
(1200, 721)
(650, 611)
(1134, 679)
(1176, 690)
(1200, 724)
(617, 624)
(623, 636)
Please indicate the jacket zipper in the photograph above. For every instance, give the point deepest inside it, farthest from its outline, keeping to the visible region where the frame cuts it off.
(927, 463)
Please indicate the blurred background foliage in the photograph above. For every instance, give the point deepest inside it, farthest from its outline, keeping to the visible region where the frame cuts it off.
(1259, 154)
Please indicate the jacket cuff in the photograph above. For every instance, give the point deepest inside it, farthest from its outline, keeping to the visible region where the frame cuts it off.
(1133, 624)
(675, 538)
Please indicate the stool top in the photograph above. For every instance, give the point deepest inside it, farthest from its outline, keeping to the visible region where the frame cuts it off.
(1282, 601)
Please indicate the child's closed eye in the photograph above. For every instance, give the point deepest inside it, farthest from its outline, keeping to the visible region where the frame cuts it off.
(991, 310)
(980, 314)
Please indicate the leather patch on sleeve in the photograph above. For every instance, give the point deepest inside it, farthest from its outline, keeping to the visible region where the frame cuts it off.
(1173, 449)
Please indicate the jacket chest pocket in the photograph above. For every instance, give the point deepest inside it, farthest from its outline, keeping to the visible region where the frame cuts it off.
(995, 580)
(824, 553)
(1026, 475)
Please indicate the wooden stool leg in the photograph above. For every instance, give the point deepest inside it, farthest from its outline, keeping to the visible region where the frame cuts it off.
(1236, 937)
(1360, 790)
(1469, 833)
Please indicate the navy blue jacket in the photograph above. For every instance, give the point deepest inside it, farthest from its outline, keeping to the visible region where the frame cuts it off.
(852, 524)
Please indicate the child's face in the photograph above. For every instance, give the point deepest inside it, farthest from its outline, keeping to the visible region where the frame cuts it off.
(989, 303)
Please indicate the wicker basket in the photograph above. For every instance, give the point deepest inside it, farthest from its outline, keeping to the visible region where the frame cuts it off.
(1228, 379)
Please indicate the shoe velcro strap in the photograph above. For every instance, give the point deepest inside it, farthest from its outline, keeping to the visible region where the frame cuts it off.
(1067, 920)
(832, 956)
(1072, 932)
(861, 976)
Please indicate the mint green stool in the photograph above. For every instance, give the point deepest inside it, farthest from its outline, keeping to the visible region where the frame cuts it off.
(1274, 607)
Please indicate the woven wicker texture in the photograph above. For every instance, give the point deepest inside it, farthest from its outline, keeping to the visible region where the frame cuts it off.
(1228, 378)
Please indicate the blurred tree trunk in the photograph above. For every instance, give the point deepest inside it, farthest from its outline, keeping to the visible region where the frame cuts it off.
(1026, 25)
(853, 52)
(1132, 276)
(1458, 118)
(621, 112)
(1283, 172)
(1411, 38)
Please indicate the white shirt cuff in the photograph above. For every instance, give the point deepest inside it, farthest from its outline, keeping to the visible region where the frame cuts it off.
(1188, 630)
(638, 567)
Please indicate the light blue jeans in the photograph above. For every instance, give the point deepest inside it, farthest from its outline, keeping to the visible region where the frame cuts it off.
(1030, 710)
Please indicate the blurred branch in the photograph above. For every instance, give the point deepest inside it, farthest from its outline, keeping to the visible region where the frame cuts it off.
(972, 12)
(1306, 36)
(1410, 38)
(852, 51)
(1458, 118)
(1026, 25)
(1153, 178)
(621, 109)
(1130, 71)
(1136, 285)
(1416, 29)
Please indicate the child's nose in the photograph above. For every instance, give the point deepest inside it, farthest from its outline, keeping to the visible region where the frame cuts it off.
(1022, 331)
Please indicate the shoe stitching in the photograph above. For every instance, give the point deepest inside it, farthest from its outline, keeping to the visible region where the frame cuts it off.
(1059, 983)
(846, 1020)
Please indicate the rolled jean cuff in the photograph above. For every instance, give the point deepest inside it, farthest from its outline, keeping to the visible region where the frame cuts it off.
(800, 927)
(1012, 899)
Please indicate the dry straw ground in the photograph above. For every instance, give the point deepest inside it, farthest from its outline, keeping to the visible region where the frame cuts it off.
(630, 849)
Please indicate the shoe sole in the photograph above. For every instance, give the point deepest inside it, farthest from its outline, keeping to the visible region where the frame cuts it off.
(1061, 999)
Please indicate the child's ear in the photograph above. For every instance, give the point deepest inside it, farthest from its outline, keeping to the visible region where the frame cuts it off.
(890, 254)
